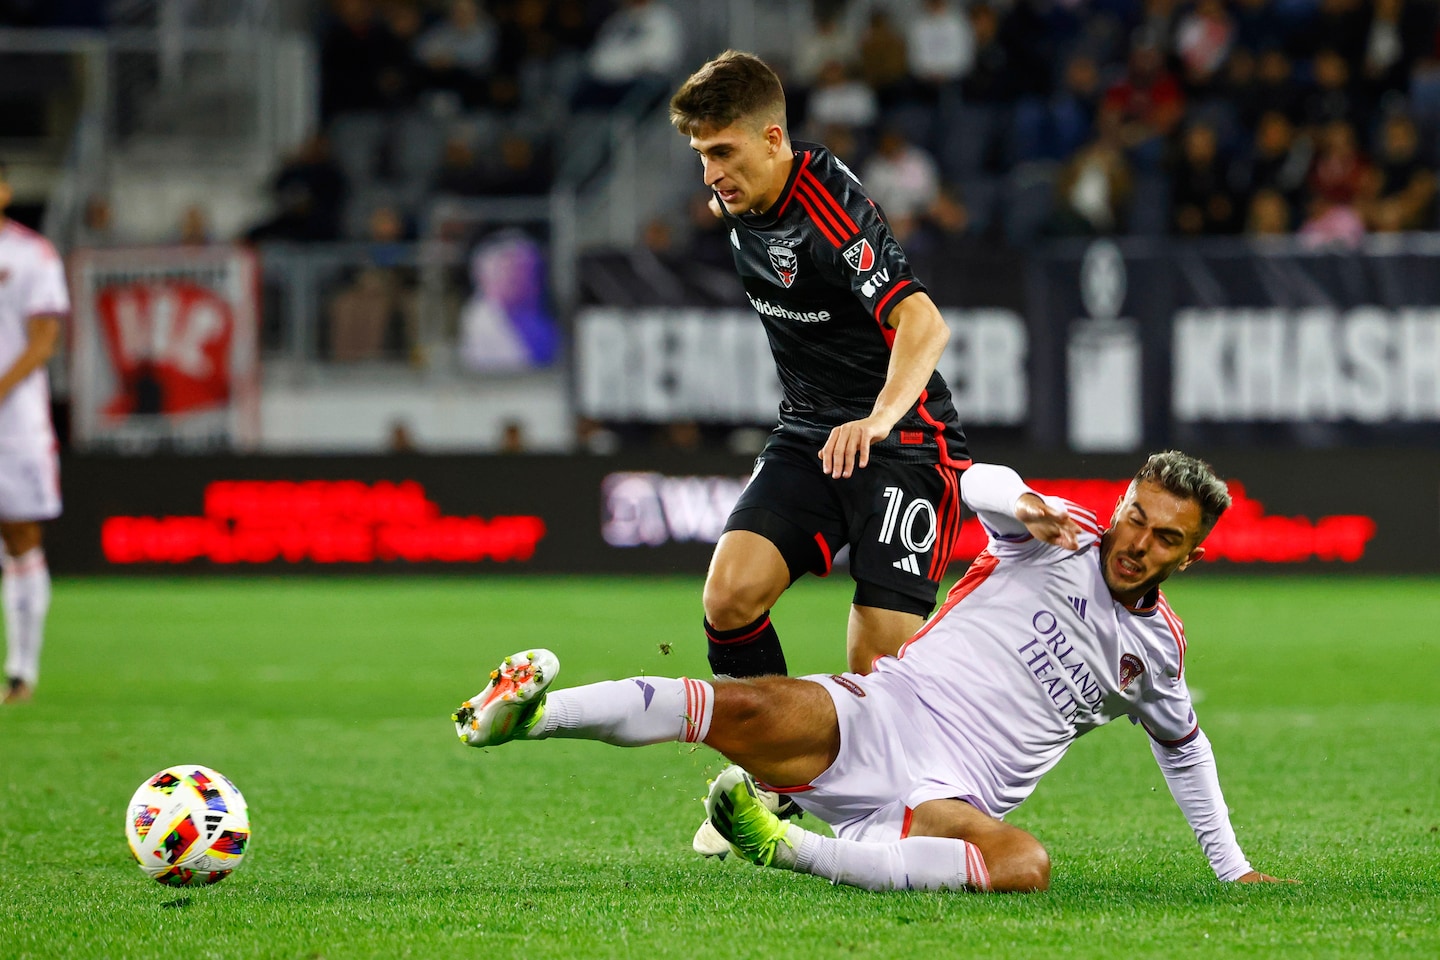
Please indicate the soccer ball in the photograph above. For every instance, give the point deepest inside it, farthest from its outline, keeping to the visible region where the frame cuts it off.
(188, 826)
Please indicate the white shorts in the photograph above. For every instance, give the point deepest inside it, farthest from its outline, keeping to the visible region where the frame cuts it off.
(888, 762)
(29, 485)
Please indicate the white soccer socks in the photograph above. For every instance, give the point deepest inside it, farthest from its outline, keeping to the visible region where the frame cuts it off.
(25, 597)
(915, 863)
(630, 713)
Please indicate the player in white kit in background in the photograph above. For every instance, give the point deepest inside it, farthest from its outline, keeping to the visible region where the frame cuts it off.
(33, 301)
(1057, 628)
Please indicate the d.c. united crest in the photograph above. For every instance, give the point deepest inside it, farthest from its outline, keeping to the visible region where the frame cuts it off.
(783, 259)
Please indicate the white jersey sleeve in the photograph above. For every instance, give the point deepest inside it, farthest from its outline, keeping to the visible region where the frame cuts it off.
(1194, 783)
(991, 491)
(47, 294)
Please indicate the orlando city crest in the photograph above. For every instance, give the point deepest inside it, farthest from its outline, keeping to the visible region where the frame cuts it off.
(783, 259)
(1130, 668)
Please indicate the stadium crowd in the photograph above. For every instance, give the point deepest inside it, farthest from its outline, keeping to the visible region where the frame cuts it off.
(1013, 119)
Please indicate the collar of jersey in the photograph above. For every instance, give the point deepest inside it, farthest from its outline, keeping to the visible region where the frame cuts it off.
(778, 208)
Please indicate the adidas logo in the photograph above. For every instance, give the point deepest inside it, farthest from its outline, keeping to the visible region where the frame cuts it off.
(1079, 603)
(908, 564)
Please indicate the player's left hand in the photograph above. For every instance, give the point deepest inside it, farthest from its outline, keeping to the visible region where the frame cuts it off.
(1255, 876)
(1047, 523)
(848, 446)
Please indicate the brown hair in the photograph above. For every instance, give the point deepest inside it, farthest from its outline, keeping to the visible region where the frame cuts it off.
(734, 86)
(1190, 478)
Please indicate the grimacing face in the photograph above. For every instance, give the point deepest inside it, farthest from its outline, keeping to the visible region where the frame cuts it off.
(1153, 534)
(745, 164)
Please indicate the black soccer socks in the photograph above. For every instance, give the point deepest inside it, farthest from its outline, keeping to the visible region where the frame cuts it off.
(749, 651)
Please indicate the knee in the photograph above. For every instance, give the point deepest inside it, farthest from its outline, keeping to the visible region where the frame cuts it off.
(1024, 869)
(730, 602)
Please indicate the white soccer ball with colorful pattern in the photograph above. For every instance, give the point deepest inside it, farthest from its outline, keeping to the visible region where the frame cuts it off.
(188, 826)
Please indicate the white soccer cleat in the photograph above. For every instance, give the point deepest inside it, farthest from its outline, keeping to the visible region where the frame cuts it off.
(708, 842)
(511, 703)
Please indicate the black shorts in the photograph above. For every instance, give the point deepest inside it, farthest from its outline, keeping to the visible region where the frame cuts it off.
(900, 520)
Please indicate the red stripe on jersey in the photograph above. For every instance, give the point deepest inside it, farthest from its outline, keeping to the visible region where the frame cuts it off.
(824, 552)
(945, 457)
(826, 223)
(802, 788)
(978, 573)
(827, 198)
(886, 299)
(905, 824)
(1083, 517)
(1177, 630)
(785, 201)
(948, 525)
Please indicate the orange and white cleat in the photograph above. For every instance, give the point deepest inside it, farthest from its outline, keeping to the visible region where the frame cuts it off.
(511, 703)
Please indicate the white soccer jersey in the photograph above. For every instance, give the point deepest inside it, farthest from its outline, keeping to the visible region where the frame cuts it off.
(32, 284)
(1030, 651)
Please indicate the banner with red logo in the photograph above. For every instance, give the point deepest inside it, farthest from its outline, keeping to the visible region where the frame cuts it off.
(166, 345)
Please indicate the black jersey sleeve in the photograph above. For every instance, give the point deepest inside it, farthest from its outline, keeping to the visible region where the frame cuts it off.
(855, 247)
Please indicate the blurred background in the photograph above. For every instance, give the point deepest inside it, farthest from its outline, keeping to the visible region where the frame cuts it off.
(421, 282)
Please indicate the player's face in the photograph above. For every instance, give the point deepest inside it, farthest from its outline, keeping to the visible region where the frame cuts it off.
(744, 164)
(1153, 534)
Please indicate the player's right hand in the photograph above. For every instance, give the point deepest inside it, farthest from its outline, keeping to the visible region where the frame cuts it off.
(1047, 523)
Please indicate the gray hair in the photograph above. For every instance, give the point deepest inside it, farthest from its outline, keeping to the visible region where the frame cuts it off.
(1191, 478)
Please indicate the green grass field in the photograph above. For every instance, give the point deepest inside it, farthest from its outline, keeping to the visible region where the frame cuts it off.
(378, 835)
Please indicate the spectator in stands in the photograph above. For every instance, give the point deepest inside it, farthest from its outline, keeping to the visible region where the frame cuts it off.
(1093, 190)
(512, 437)
(639, 48)
(884, 64)
(460, 174)
(97, 227)
(944, 226)
(194, 230)
(989, 81)
(363, 65)
(1269, 215)
(708, 242)
(1334, 185)
(459, 52)
(1054, 128)
(829, 40)
(1339, 169)
(1399, 192)
(1399, 34)
(902, 180)
(1275, 88)
(1334, 98)
(1202, 43)
(309, 192)
(1144, 107)
(1201, 202)
(940, 47)
(519, 167)
(1278, 160)
(840, 99)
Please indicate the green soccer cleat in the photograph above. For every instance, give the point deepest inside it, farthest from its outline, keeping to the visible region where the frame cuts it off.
(708, 842)
(737, 814)
(511, 703)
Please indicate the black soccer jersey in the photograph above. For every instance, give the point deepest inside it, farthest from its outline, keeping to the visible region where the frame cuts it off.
(823, 272)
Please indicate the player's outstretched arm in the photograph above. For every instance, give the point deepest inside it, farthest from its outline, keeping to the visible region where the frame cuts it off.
(1008, 507)
(41, 334)
(920, 338)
